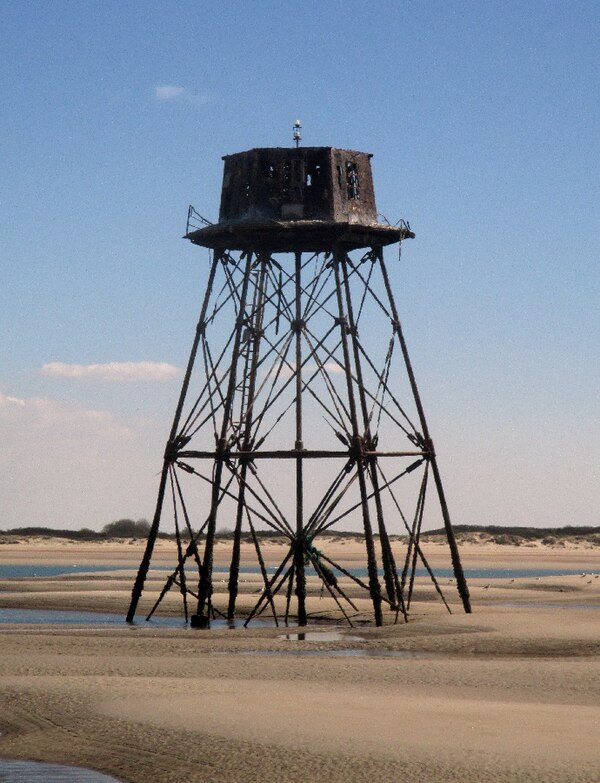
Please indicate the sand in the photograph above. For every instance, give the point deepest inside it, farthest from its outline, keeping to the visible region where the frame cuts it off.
(509, 693)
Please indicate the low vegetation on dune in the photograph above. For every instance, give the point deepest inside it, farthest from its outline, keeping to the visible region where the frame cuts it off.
(521, 536)
(465, 534)
(121, 528)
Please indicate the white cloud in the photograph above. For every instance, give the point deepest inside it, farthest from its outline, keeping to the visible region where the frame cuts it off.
(282, 373)
(333, 367)
(310, 368)
(113, 371)
(174, 92)
(166, 92)
(8, 402)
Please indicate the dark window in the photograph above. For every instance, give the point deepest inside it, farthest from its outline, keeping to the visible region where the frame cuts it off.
(287, 175)
(268, 170)
(352, 182)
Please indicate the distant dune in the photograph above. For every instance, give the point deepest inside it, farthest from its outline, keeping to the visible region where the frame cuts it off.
(568, 536)
(521, 536)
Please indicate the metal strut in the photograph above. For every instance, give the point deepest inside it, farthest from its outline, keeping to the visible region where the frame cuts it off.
(274, 342)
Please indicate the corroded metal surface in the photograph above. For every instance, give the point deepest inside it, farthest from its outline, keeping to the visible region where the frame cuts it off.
(305, 183)
(279, 236)
(288, 199)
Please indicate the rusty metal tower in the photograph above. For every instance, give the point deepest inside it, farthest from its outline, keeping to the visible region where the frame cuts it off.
(299, 411)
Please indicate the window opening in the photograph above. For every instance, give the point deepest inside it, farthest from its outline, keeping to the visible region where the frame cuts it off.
(287, 175)
(269, 171)
(352, 182)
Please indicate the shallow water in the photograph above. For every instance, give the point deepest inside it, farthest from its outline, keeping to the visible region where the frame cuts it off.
(25, 570)
(320, 636)
(59, 617)
(351, 652)
(69, 617)
(38, 772)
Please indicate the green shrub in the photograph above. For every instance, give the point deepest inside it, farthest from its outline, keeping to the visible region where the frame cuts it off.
(127, 528)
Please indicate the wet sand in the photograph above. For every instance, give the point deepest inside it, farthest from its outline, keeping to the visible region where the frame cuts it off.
(509, 693)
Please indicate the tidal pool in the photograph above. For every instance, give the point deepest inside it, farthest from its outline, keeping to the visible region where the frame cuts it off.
(320, 636)
(71, 617)
(39, 772)
(346, 652)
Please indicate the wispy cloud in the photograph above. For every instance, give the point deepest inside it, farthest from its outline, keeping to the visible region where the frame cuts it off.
(333, 367)
(41, 414)
(66, 465)
(175, 92)
(11, 402)
(310, 368)
(282, 373)
(113, 371)
(167, 92)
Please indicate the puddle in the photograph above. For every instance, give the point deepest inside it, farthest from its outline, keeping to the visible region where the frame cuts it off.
(91, 619)
(70, 617)
(320, 636)
(514, 573)
(22, 571)
(59, 617)
(37, 772)
(339, 653)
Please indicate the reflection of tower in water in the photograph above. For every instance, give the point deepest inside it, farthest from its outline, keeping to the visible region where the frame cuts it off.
(299, 412)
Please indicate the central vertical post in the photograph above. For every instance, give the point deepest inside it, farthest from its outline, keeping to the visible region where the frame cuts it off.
(300, 541)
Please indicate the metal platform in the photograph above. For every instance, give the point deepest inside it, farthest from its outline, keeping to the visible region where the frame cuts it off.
(277, 236)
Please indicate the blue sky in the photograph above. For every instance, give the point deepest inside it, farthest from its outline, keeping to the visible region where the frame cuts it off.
(484, 124)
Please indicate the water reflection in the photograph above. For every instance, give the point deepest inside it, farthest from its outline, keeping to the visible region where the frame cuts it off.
(320, 636)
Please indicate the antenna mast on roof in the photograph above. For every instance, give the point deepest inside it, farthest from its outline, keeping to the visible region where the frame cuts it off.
(297, 134)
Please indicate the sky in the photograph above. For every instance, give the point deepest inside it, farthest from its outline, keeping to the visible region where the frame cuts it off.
(483, 121)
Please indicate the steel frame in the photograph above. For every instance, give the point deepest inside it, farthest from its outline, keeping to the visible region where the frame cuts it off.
(294, 340)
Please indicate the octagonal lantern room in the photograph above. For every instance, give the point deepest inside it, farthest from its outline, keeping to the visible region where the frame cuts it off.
(303, 198)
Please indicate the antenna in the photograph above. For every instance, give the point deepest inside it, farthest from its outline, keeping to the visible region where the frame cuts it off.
(297, 134)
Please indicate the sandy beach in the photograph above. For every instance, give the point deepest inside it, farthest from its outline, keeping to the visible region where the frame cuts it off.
(509, 693)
